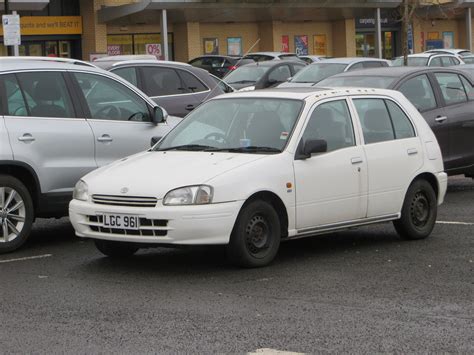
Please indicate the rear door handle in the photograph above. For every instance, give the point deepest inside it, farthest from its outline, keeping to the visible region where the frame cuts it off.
(356, 160)
(440, 119)
(27, 137)
(105, 138)
(412, 151)
(190, 107)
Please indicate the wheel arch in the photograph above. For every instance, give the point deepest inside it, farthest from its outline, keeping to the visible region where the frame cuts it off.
(26, 175)
(431, 178)
(277, 204)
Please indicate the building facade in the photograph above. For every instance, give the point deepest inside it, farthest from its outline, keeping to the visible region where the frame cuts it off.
(87, 29)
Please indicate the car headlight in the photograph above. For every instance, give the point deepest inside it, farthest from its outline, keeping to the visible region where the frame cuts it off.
(81, 191)
(189, 195)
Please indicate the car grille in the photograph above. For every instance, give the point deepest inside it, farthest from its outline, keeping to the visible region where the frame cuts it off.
(130, 201)
(148, 227)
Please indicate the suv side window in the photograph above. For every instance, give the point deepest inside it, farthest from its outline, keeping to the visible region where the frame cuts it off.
(46, 94)
(191, 83)
(375, 120)
(401, 123)
(108, 99)
(14, 101)
(451, 88)
(162, 81)
(420, 93)
(356, 66)
(446, 61)
(129, 74)
(454, 61)
(332, 122)
(436, 62)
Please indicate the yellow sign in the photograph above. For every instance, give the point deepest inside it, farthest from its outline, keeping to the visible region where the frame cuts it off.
(49, 25)
(433, 35)
(319, 44)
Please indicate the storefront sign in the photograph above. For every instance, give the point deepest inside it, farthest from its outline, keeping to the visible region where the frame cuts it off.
(114, 49)
(50, 25)
(370, 22)
(434, 44)
(153, 49)
(319, 44)
(11, 30)
(285, 43)
(301, 45)
(211, 46)
(448, 40)
(234, 46)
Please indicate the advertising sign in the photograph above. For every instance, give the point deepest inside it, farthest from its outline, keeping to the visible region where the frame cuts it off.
(301, 45)
(153, 49)
(11, 30)
(285, 43)
(211, 45)
(50, 25)
(319, 44)
(448, 40)
(114, 49)
(434, 44)
(234, 46)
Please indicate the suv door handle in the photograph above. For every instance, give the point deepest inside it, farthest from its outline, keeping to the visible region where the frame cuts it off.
(105, 138)
(190, 107)
(356, 160)
(27, 137)
(441, 119)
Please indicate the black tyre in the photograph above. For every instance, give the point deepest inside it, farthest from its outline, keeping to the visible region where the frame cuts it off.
(16, 213)
(116, 249)
(256, 235)
(419, 211)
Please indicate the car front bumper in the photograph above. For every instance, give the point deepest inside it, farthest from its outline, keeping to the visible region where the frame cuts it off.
(186, 225)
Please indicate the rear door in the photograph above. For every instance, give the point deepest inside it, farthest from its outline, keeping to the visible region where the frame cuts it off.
(120, 118)
(44, 130)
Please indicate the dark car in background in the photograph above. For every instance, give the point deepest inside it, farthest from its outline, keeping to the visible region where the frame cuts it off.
(318, 71)
(445, 98)
(265, 56)
(263, 75)
(219, 65)
(177, 87)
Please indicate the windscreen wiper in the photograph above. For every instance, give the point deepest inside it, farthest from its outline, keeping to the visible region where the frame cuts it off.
(250, 149)
(191, 147)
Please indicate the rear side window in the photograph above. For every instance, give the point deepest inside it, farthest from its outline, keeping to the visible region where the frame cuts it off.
(356, 66)
(162, 81)
(420, 93)
(454, 61)
(401, 124)
(436, 62)
(191, 83)
(14, 102)
(373, 65)
(451, 88)
(129, 74)
(375, 120)
(46, 94)
(467, 87)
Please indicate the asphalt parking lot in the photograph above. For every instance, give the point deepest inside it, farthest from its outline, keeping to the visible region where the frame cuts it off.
(360, 291)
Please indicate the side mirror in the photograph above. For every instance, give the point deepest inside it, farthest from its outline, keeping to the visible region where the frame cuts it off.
(154, 140)
(159, 115)
(312, 146)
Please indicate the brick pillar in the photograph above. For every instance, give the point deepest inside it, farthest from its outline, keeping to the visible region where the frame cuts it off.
(343, 38)
(94, 35)
(187, 39)
(269, 33)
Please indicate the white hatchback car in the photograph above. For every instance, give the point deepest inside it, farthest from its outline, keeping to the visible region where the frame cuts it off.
(251, 169)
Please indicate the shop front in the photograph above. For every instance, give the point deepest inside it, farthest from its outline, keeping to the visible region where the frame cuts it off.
(365, 37)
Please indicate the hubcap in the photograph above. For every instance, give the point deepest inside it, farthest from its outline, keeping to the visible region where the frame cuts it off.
(420, 209)
(12, 214)
(257, 236)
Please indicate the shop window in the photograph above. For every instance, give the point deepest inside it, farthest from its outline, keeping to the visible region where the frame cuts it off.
(119, 44)
(127, 44)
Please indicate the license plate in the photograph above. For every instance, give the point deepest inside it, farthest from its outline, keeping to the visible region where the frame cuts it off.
(121, 221)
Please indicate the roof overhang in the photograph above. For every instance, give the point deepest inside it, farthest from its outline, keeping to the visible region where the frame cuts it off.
(24, 5)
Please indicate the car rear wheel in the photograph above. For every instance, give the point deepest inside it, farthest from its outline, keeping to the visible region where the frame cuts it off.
(256, 236)
(115, 249)
(419, 211)
(16, 213)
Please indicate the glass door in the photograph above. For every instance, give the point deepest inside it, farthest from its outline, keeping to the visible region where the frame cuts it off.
(65, 49)
(51, 48)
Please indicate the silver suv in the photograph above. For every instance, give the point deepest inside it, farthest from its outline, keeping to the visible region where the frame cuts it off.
(58, 122)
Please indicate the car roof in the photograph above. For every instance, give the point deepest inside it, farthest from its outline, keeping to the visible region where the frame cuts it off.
(394, 71)
(304, 93)
(271, 63)
(19, 65)
(271, 53)
(113, 64)
(350, 60)
(447, 50)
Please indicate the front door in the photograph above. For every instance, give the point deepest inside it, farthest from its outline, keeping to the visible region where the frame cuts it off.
(331, 187)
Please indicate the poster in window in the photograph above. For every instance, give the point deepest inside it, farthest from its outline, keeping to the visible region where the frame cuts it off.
(285, 43)
(211, 46)
(433, 35)
(234, 46)
(301, 45)
(319, 45)
(448, 39)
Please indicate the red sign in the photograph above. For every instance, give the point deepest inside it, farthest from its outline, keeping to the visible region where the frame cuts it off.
(285, 43)
(153, 49)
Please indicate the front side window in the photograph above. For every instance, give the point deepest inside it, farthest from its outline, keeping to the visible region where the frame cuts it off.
(250, 125)
(279, 74)
(129, 74)
(15, 104)
(191, 83)
(436, 62)
(248, 74)
(446, 61)
(162, 81)
(331, 121)
(420, 93)
(46, 94)
(451, 88)
(375, 120)
(108, 99)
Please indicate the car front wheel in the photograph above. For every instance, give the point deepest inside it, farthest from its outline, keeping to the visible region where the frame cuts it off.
(256, 236)
(115, 249)
(419, 211)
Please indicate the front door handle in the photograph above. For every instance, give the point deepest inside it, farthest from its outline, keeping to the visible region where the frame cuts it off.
(190, 107)
(27, 137)
(356, 160)
(105, 138)
(441, 119)
(412, 151)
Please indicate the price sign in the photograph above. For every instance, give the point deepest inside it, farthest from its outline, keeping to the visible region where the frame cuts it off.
(11, 30)
(153, 49)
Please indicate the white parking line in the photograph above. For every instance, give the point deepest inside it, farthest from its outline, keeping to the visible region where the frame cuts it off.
(458, 223)
(26, 258)
(267, 351)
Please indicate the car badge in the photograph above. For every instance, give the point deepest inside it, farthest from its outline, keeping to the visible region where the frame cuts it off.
(124, 190)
